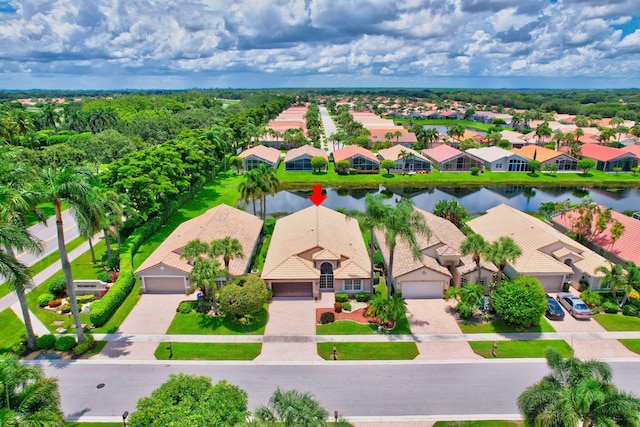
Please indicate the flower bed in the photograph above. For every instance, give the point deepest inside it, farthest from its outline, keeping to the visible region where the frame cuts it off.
(356, 315)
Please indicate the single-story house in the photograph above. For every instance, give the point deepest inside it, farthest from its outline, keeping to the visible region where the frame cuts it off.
(608, 158)
(626, 248)
(316, 250)
(515, 139)
(441, 264)
(547, 156)
(449, 159)
(260, 154)
(498, 159)
(635, 149)
(405, 159)
(380, 134)
(547, 254)
(299, 159)
(165, 271)
(359, 158)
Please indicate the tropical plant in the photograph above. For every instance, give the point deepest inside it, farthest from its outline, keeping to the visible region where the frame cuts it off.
(242, 300)
(318, 163)
(502, 251)
(470, 296)
(585, 165)
(267, 182)
(476, 246)
(614, 280)
(387, 164)
(228, 248)
(292, 408)
(372, 218)
(520, 301)
(205, 268)
(451, 210)
(249, 189)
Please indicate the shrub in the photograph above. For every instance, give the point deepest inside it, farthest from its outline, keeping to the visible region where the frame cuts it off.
(341, 297)
(46, 342)
(65, 343)
(54, 303)
(44, 299)
(521, 301)
(591, 298)
(610, 307)
(464, 310)
(19, 348)
(398, 293)
(378, 261)
(363, 296)
(114, 276)
(376, 278)
(634, 302)
(353, 171)
(475, 170)
(104, 277)
(249, 298)
(628, 310)
(83, 299)
(58, 286)
(64, 309)
(186, 307)
(337, 306)
(346, 306)
(85, 345)
(327, 317)
(566, 286)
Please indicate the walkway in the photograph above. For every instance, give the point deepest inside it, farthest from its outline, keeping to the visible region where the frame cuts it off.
(328, 125)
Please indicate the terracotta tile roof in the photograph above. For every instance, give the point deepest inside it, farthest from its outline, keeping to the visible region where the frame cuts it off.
(350, 270)
(263, 152)
(635, 149)
(442, 153)
(542, 154)
(602, 152)
(393, 153)
(294, 267)
(216, 223)
(351, 150)
(308, 150)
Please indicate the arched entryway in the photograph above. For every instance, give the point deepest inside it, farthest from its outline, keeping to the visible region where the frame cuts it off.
(326, 276)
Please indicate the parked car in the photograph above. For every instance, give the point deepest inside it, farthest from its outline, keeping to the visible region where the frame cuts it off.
(574, 305)
(554, 311)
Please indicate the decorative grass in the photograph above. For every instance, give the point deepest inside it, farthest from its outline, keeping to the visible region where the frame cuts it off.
(12, 330)
(369, 351)
(204, 324)
(485, 423)
(520, 349)
(208, 351)
(632, 344)
(501, 327)
(618, 322)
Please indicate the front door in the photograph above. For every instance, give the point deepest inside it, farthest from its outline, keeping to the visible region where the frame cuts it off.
(326, 276)
(411, 167)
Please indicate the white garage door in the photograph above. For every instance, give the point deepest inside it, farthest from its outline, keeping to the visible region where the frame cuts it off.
(551, 283)
(164, 285)
(422, 290)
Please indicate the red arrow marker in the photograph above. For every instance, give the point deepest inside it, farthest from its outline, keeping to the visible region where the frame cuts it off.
(317, 198)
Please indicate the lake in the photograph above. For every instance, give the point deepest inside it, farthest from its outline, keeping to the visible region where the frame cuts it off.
(475, 199)
(442, 130)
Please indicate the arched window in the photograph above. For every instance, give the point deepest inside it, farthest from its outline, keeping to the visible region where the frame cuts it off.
(326, 275)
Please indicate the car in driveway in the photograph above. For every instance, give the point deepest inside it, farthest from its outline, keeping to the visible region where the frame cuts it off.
(574, 305)
(554, 311)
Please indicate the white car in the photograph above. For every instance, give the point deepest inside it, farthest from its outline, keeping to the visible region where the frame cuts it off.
(574, 305)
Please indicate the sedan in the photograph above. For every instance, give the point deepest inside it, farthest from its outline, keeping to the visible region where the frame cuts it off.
(574, 305)
(554, 311)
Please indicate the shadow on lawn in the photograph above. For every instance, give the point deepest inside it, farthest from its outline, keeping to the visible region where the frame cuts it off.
(212, 323)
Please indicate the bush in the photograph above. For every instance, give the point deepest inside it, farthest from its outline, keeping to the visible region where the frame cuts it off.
(341, 297)
(591, 298)
(376, 278)
(104, 277)
(628, 310)
(566, 286)
(58, 286)
(378, 261)
(64, 309)
(248, 298)
(84, 346)
(54, 303)
(327, 317)
(19, 348)
(398, 293)
(475, 170)
(113, 276)
(634, 302)
(186, 307)
(464, 310)
(363, 296)
(346, 306)
(353, 171)
(84, 299)
(521, 301)
(610, 307)
(46, 342)
(337, 306)
(44, 299)
(65, 343)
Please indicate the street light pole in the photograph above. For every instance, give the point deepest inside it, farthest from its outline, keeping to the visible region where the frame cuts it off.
(124, 418)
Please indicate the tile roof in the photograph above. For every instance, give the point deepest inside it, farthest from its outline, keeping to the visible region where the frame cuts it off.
(491, 154)
(308, 150)
(442, 153)
(602, 152)
(351, 150)
(393, 153)
(542, 154)
(635, 149)
(269, 154)
(216, 223)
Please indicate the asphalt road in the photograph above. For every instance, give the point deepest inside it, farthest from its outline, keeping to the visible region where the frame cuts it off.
(328, 124)
(47, 234)
(378, 389)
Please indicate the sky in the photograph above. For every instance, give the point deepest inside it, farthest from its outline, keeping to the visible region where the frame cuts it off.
(177, 44)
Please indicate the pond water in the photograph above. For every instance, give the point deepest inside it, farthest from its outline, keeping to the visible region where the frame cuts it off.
(475, 199)
(442, 130)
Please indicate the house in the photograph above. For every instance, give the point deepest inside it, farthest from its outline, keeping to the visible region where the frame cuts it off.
(547, 156)
(635, 149)
(449, 159)
(405, 138)
(164, 271)
(515, 139)
(299, 159)
(359, 158)
(547, 254)
(406, 159)
(316, 250)
(441, 264)
(497, 159)
(260, 154)
(626, 248)
(608, 158)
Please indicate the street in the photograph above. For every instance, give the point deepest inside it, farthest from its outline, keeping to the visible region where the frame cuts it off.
(47, 235)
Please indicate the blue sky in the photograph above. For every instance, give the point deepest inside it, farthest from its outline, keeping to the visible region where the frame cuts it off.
(118, 44)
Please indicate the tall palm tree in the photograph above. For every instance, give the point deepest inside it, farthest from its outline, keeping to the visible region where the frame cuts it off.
(74, 188)
(503, 250)
(476, 246)
(372, 218)
(228, 248)
(205, 267)
(402, 221)
(27, 398)
(577, 392)
(267, 182)
(250, 190)
(615, 281)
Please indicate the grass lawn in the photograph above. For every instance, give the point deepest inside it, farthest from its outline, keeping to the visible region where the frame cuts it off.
(208, 351)
(47, 210)
(618, 322)
(203, 324)
(97, 348)
(485, 423)
(369, 351)
(500, 327)
(123, 311)
(12, 330)
(471, 124)
(513, 349)
(348, 327)
(633, 345)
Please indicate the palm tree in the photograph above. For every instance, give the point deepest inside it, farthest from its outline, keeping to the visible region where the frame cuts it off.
(249, 189)
(633, 275)
(292, 408)
(397, 134)
(615, 281)
(228, 248)
(27, 398)
(577, 392)
(72, 187)
(578, 133)
(476, 246)
(371, 219)
(267, 182)
(205, 268)
(503, 250)
(404, 222)
(543, 130)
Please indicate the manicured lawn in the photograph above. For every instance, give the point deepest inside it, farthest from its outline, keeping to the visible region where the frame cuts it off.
(4, 289)
(203, 324)
(500, 327)
(618, 322)
(47, 210)
(471, 124)
(369, 351)
(118, 317)
(486, 423)
(633, 345)
(12, 330)
(208, 351)
(97, 348)
(345, 327)
(525, 348)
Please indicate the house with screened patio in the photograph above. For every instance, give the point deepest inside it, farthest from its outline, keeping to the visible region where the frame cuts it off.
(299, 159)
(260, 154)
(448, 159)
(359, 158)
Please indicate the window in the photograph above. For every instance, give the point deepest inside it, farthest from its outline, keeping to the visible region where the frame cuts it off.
(498, 165)
(463, 281)
(220, 282)
(352, 285)
(326, 276)
(303, 164)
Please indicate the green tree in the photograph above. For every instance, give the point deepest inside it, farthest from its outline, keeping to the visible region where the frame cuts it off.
(534, 165)
(502, 251)
(249, 189)
(577, 392)
(247, 298)
(476, 246)
(451, 210)
(520, 301)
(342, 167)
(292, 408)
(268, 183)
(614, 279)
(371, 219)
(228, 248)
(456, 131)
(27, 397)
(388, 165)
(318, 163)
(236, 162)
(470, 296)
(205, 267)
(188, 400)
(585, 165)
